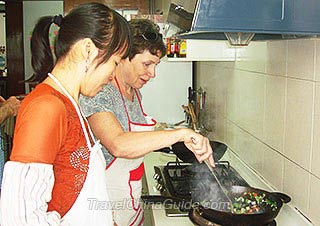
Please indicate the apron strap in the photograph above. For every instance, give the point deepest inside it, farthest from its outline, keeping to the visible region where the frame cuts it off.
(124, 103)
(79, 113)
(144, 114)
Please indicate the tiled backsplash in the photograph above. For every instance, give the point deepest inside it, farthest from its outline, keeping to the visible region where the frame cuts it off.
(266, 107)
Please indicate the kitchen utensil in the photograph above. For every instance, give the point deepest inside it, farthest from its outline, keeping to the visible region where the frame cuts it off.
(189, 94)
(179, 123)
(219, 184)
(184, 154)
(204, 96)
(193, 116)
(224, 217)
(198, 107)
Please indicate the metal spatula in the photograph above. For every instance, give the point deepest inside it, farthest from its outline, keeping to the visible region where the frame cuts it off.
(219, 184)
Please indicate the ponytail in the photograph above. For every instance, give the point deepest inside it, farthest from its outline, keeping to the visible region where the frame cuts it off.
(108, 30)
(42, 58)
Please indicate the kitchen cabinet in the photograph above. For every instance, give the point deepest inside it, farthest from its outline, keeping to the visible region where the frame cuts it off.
(278, 16)
(141, 5)
(207, 50)
(233, 15)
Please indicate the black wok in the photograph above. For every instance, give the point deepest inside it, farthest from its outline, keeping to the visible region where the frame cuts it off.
(226, 217)
(204, 215)
(184, 154)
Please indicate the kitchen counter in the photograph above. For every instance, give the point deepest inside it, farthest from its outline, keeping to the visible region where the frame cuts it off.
(288, 215)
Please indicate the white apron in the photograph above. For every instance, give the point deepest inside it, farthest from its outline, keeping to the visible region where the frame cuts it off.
(92, 206)
(124, 178)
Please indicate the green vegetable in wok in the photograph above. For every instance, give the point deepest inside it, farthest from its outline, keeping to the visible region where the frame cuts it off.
(251, 202)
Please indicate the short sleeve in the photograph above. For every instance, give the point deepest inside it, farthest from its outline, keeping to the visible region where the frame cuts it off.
(101, 102)
(40, 130)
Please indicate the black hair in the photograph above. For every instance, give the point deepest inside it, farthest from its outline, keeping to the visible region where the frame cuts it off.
(139, 28)
(109, 31)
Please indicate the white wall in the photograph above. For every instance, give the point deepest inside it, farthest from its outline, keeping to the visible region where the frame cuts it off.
(266, 107)
(164, 95)
(32, 11)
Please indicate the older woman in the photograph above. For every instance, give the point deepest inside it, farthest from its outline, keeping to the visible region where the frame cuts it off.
(56, 172)
(117, 118)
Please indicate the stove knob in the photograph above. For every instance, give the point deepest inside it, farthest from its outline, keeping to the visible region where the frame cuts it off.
(156, 176)
(159, 187)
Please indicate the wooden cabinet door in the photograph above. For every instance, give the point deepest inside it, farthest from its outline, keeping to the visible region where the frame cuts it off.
(141, 5)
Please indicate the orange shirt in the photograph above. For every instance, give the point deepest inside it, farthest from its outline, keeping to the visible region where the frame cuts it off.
(48, 131)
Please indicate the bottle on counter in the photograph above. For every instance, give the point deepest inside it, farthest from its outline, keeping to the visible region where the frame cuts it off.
(183, 48)
(169, 48)
(177, 47)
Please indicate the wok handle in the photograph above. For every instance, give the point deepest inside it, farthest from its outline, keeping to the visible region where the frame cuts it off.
(285, 198)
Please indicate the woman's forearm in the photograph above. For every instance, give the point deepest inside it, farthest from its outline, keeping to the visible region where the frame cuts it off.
(26, 190)
(137, 144)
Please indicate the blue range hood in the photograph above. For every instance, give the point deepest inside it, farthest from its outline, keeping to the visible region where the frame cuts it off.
(240, 21)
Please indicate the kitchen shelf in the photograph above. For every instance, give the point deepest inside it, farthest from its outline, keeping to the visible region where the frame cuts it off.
(207, 50)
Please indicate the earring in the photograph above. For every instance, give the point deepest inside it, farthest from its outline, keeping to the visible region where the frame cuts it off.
(87, 62)
(88, 56)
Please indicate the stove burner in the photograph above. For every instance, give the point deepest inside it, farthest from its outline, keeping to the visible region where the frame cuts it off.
(186, 180)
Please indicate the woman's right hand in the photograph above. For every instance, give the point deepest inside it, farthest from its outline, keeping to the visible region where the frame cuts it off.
(199, 145)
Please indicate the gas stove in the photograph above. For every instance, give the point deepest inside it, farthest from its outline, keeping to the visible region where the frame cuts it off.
(194, 183)
(158, 217)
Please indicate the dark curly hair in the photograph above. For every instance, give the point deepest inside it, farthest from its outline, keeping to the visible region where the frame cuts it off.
(139, 27)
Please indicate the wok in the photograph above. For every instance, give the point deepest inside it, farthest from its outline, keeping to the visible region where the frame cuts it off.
(184, 154)
(205, 215)
(226, 217)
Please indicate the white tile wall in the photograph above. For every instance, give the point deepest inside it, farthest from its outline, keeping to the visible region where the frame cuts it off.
(274, 117)
(252, 57)
(314, 200)
(316, 135)
(317, 60)
(273, 167)
(301, 59)
(296, 183)
(298, 126)
(276, 62)
(266, 107)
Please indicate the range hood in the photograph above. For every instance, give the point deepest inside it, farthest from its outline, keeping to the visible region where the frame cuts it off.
(241, 21)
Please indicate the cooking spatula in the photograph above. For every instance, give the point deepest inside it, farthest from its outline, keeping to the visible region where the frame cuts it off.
(225, 192)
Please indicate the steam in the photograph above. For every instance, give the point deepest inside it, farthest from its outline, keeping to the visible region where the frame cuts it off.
(205, 190)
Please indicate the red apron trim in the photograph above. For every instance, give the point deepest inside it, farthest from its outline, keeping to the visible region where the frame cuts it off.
(124, 103)
(137, 173)
(139, 102)
(132, 199)
(108, 166)
(154, 122)
(138, 214)
(142, 220)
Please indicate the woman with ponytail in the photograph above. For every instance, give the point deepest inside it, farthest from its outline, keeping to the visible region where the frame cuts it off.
(56, 172)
